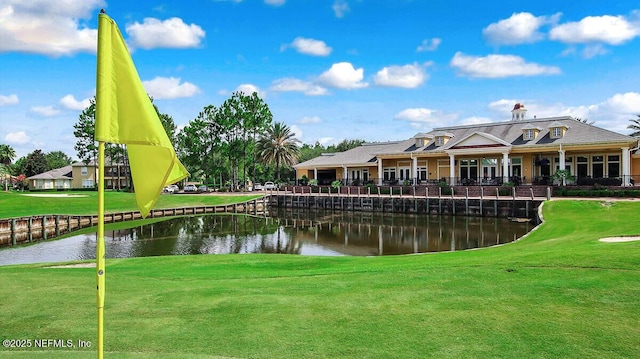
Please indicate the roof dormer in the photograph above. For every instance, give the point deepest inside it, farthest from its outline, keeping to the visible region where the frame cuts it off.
(441, 138)
(422, 139)
(557, 129)
(530, 132)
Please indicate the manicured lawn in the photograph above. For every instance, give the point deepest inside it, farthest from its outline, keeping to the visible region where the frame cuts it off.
(558, 293)
(13, 204)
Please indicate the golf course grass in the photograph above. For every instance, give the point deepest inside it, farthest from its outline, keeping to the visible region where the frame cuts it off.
(557, 293)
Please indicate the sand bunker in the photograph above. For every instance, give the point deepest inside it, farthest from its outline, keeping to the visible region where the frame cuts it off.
(77, 265)
(620, 239)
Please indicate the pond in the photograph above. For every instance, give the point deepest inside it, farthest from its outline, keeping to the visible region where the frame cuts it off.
(292, 231)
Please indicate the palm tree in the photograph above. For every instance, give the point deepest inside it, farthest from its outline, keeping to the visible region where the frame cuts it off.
(7, 154)
(278, 146)
(635, 126)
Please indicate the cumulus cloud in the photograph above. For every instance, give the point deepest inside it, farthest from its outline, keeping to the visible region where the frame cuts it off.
(340, 8)
(296, 85)
(297, 132)
(249, 89)
(613, 30)
(520, 28)
(17, 138)
(311, 46)
(53, 28)
(9, 100)
(70, 103)
(170, 33)
(46, 111)
(310, 120)
(162, 88)
(275, 2)
(498, 66)
(429, 44)
(407, 76)
(344, 76)
(424, 116)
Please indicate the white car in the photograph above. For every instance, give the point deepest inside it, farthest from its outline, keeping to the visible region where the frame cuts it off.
(171, 189)
(257, 187)
(269, 186)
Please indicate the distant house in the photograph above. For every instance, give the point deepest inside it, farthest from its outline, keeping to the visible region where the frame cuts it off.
(81, 175)
(522, 151)
(59, 178)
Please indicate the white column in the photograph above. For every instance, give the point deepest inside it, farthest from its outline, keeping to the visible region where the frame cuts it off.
(505, 167)
(452, 170)
(626, 166)
(379, 171)
(345, 174)
(562, 166)
(414, 170)
(315, 174)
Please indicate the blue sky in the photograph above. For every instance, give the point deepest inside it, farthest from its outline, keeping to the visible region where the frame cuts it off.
(331, 70)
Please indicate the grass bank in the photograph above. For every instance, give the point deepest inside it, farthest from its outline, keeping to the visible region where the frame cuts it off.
(17, 204)
(558, 293)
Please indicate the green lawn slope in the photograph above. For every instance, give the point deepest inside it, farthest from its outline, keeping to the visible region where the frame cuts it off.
(558, 293)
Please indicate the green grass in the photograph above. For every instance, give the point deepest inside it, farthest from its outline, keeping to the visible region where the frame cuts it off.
(558, 293)
(15, 204)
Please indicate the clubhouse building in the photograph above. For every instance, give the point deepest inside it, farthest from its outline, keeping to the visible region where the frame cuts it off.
(520, 151)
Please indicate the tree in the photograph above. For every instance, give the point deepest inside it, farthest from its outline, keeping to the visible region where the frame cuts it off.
(635, 126)
(346, 145)
(5, 176)
(278, 146)
(7, 154)
(36, 163)
(57, 159)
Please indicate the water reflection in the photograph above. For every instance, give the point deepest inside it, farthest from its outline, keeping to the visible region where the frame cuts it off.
(292, 231)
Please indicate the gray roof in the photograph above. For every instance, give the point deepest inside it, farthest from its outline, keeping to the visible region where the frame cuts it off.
(58, 173)
(503, 133)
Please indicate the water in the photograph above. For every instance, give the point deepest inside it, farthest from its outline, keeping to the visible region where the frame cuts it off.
(292, 231)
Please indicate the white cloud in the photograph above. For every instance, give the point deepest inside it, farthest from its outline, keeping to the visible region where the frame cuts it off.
(161, 88)
(46, 111)
(328, 141)
(613, 30)
(593, 50)
(297, 132)
(70, 103)
(310, 120)
(343, 75)
(429, 44)
(425, 116)
(626, 103)
(275, 2)
(518, 29)
(9, 100)
(47, 27)
(475, 120)
(497, 66)
(170, 33)
(249, 89)
(17, 138)
(407, 76)
(340, 8)
(290, 84)
(311, 46)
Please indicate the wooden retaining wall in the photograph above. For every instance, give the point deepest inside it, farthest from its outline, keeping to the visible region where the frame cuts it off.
(505, 207)
(20, 230)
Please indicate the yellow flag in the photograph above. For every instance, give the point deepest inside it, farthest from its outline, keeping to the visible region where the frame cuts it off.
(125, 115)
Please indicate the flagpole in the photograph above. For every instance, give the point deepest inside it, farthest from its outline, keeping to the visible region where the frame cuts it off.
(100, 252)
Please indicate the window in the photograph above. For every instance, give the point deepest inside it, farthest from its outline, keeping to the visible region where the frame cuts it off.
(597, 166)
(439, 141)
(84, 171)
(613, 166)
(419, 142)
(469, 169)
(529, 135)
(556, 132)
(389, 173)
(583, 166)
(422, 173)
(87, 183)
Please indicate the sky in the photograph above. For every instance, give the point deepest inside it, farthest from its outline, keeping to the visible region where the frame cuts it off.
(375, 70)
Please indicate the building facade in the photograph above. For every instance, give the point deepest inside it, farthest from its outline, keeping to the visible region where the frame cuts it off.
(520, 151)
